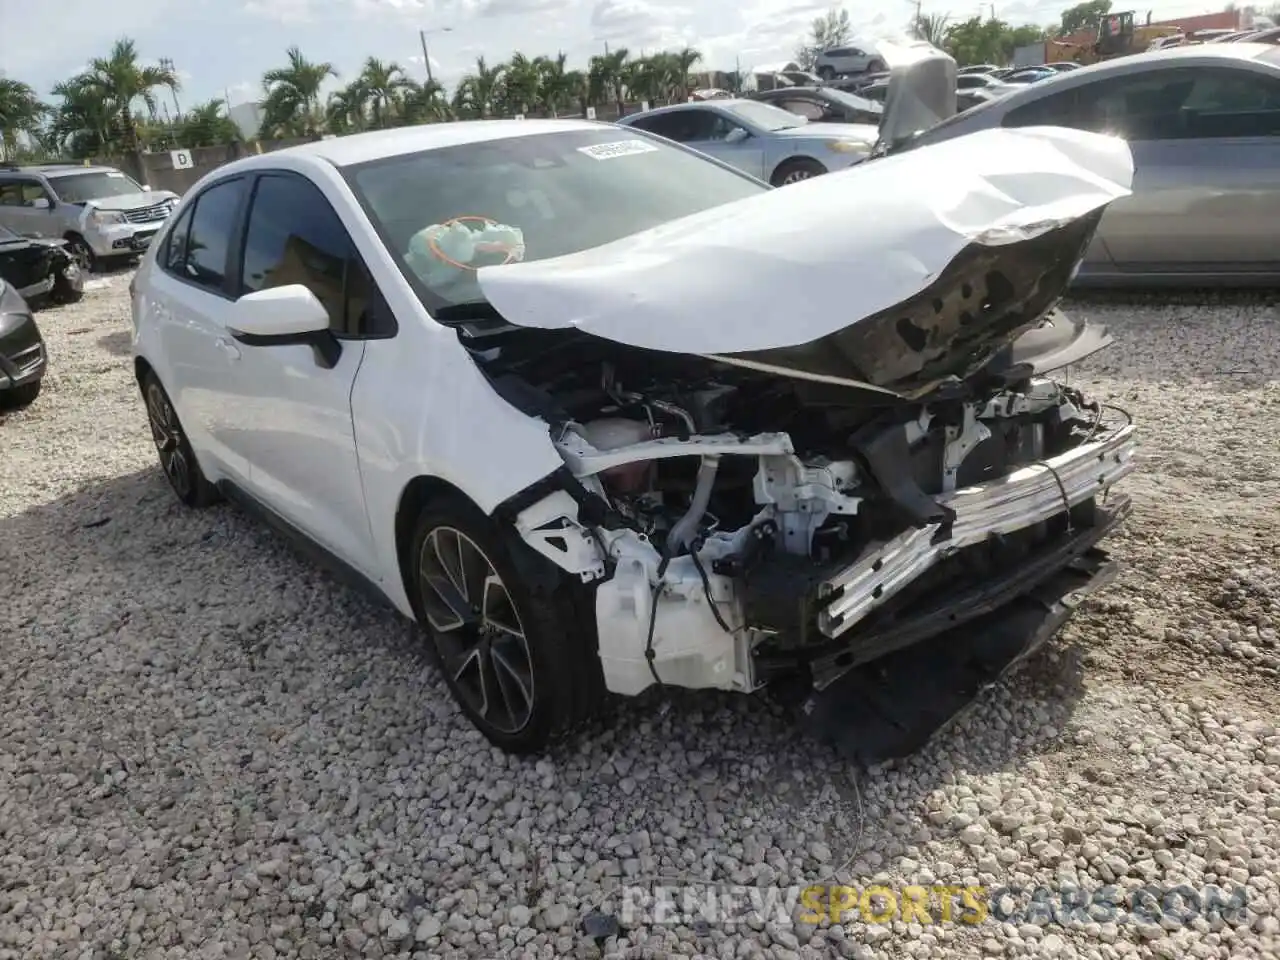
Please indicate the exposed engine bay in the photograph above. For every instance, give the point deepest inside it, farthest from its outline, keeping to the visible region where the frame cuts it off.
(780, 480)
(750, 523)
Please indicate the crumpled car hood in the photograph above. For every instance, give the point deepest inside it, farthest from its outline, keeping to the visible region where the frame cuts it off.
(133, 201)
(791, 268)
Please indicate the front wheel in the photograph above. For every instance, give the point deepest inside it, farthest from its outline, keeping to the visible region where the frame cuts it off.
(517, 655)
(15, 398)
(876, 66)
(826, 73)
(68, 282)
(79, 248)
(793, 171)
(177, 459)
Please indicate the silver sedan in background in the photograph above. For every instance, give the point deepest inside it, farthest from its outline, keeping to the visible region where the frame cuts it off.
(764, 141)
(1203, 124)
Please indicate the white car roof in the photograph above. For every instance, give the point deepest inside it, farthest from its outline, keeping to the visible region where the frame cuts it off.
(375, 145)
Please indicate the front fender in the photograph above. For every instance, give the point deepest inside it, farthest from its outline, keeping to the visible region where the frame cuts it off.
(422, 408)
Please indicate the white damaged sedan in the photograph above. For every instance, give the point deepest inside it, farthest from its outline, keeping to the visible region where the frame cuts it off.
(601, 414)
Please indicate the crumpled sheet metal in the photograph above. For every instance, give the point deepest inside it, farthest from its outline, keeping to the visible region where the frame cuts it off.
(801, 262)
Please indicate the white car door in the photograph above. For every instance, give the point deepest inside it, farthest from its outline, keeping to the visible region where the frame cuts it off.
(301, 443)
(188, 306)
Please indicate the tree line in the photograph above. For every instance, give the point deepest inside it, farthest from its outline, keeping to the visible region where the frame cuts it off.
(97, 111)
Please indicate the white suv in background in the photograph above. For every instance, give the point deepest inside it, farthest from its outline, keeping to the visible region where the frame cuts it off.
(844, 60)
(101, 212)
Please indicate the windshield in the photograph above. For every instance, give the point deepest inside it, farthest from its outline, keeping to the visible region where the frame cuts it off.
(79, 187)
(765, 117)
(445, 213)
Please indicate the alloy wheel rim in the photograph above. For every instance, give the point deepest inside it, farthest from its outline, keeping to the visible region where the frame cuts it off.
(478, 631)
(795, 176)
(167, 434)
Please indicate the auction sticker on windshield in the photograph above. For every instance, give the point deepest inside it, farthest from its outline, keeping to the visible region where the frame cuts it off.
(619, 148)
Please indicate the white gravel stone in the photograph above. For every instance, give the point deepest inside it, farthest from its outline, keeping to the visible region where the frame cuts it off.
(210, 749)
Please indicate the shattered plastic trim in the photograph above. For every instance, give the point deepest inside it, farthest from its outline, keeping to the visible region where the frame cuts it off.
(1026, 496)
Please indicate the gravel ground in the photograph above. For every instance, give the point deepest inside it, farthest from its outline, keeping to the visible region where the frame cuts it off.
(209, 749)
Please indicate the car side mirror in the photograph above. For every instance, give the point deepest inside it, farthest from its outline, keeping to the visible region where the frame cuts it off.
(737, 135)
(288, 315)
(41, 203)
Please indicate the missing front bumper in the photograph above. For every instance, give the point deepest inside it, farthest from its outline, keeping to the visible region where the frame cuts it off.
(894, 706)
(1027, 496)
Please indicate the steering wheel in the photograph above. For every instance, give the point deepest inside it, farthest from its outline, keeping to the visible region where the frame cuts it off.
(511, 252)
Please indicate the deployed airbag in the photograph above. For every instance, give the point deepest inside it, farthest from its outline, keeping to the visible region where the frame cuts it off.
(792, 266)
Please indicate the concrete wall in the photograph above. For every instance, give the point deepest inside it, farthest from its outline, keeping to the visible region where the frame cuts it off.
(157, 169)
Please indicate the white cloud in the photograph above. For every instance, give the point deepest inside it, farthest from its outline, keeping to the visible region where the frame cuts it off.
(243, 92)
(515, 8)
(281, 11)
(436, 65)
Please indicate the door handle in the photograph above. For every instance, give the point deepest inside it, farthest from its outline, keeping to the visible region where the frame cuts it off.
(229, 348)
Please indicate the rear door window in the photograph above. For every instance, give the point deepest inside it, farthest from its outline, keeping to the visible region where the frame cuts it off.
(1173, 104)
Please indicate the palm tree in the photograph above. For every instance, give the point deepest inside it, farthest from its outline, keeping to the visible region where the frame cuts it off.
(84, 123)
(932, 27)
(384, 85)
(20, 111)
(205, 125)
(424, 103)
(345, 108)
(293, 95)
(558, 86)
(685, 59)
(120, 80)
(613, 74)
(579, 88)
(477, 91)
(599, 81)
(522, 81)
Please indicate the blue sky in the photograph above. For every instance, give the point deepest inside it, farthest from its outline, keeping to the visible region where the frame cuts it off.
(223, 46)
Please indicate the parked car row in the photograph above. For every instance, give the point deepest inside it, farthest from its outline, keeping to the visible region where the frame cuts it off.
(1267, 35)
(1202, 122)
(1203, 125)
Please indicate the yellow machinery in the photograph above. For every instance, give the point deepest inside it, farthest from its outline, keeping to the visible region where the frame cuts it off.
(1118, 36)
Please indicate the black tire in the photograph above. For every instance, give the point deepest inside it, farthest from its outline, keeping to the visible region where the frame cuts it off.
(793, 171)
(825, 72)
(177, 459)
(531, 625)
(79, 248)
(63, 290)
(876, 66)
(15, 398)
